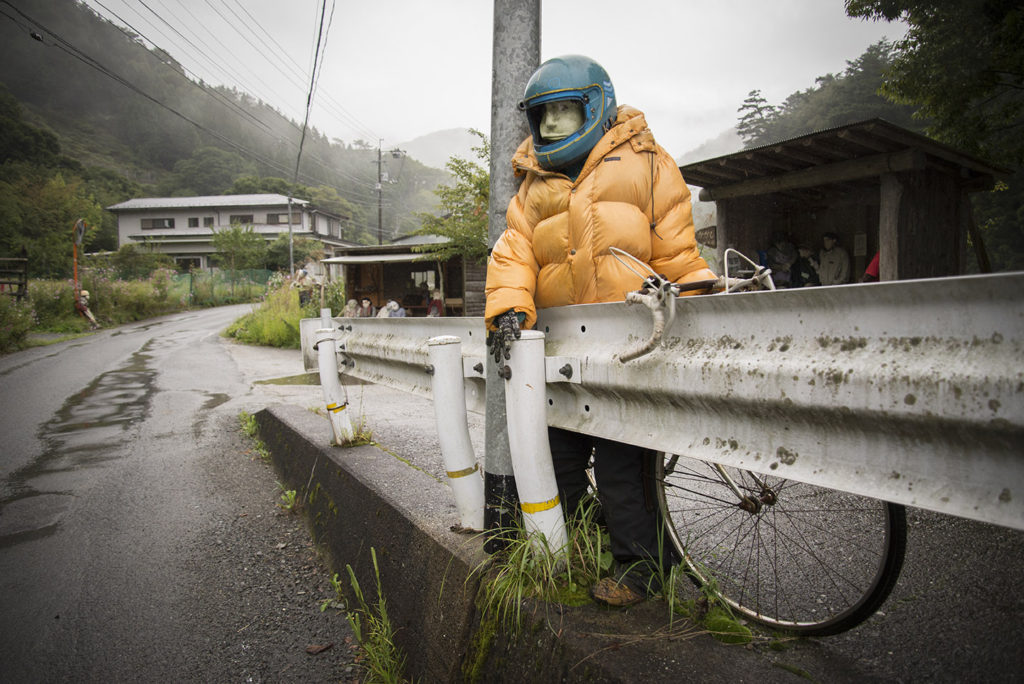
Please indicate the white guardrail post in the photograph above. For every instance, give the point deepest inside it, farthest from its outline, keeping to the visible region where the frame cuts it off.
(526, 407)
(335, 397)
(453, 430)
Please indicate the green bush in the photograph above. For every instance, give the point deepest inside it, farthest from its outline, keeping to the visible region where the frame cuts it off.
(16, 320)
(274, 324)
(53, 302)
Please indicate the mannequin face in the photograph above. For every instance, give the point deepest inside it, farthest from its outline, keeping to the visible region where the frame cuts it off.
(560, 120)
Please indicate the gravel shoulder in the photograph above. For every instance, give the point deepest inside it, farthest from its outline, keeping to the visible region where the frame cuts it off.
(255, 566)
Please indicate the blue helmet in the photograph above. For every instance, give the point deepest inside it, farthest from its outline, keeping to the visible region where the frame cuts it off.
(577, 79)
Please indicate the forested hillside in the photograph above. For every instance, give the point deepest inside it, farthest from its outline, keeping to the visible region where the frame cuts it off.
(957, 78)
(89, 113)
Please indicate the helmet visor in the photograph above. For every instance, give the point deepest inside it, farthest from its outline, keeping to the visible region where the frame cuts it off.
(560, 119)
(556, 120)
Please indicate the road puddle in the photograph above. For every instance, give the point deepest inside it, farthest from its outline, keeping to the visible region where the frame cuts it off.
(87, 432)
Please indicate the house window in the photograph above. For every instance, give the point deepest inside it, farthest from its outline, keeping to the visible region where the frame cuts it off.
(275, 219)
(193, 221)
(241, 218)
(207, 222)
(156, 223)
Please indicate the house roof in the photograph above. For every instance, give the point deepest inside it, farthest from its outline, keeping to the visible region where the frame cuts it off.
(853, 153)
(206, 202)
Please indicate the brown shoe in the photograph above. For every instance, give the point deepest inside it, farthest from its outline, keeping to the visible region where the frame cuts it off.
(610, 592)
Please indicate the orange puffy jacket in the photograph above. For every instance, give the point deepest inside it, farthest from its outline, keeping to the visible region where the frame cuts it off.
(554, 252)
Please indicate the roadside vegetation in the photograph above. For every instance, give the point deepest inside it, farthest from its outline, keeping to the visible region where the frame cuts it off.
(274, 322)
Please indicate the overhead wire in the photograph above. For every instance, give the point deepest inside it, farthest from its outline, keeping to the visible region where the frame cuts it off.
(196, 80)
(232, 76)
(313, 79)
(336, 108)
(67, 47)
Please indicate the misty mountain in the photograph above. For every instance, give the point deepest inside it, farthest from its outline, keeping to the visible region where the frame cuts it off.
(434, 149)
(727, 142)
(114, 104)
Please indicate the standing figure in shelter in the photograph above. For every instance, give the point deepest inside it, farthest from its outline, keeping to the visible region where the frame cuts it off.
(593, 177)
(435, 308)
(351, 309)
(833, 261)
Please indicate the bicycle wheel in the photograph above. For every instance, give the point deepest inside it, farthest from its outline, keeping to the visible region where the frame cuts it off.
(792, 556)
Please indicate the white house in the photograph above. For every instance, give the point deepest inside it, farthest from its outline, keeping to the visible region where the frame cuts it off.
(183, 226)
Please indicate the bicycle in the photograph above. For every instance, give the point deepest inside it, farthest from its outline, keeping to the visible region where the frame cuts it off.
(792, 556)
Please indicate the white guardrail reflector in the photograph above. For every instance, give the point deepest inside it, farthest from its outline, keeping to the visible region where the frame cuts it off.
(909, 391)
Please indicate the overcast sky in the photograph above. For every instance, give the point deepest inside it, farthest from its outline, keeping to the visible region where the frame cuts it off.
(399, 69)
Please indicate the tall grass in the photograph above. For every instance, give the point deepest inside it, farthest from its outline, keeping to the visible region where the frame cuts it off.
(523, 569)
(274, 323)
(16, 320)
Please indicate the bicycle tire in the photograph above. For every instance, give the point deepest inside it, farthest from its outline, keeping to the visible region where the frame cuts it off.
(794, 557)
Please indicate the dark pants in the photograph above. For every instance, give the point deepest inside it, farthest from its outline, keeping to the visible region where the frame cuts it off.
(626, 490)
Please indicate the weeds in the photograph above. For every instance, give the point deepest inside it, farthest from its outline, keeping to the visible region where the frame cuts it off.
(249, 425)
(385, 662)
(524, 569)
(251, 429)
(361, 435)
(288, 500)
(336, 601)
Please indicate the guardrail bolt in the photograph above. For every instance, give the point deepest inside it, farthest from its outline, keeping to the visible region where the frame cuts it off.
(479, 368)
(566, 370)
(506, 372)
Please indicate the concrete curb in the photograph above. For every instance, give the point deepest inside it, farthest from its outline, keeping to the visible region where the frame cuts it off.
(364, 497)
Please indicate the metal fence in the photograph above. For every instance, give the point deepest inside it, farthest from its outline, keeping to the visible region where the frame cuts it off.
(911, 391)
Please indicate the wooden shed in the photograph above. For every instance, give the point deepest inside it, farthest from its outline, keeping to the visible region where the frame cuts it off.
(879, 187)
(396, 271)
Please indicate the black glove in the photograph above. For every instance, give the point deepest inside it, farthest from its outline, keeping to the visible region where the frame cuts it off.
(500, 340)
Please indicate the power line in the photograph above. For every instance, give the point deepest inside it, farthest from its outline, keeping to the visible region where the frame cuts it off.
(66, 46)
(313, 79)
(217, 95)
(323, 164)
(336, 108)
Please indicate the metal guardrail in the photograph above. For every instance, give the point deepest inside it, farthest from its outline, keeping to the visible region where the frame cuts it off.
(909, 391)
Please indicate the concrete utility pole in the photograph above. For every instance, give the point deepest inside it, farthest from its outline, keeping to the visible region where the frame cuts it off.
(516, 55)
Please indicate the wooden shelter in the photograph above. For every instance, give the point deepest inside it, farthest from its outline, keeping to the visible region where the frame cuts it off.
(880, 187)
(397, 271)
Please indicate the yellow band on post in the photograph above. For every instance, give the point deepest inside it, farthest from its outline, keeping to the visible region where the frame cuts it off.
(334, 408)
(453, 474)
(539, 507)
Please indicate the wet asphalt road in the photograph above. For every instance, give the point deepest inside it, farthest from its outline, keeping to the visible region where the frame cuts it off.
(139, 540)
(139, 536)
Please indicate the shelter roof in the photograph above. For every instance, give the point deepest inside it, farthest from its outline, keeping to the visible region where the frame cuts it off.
(857, 152)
